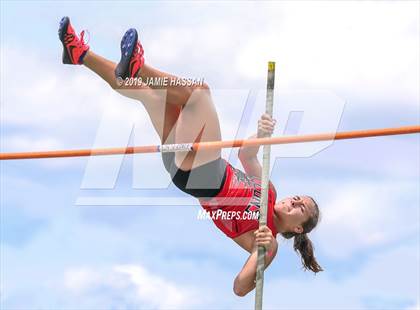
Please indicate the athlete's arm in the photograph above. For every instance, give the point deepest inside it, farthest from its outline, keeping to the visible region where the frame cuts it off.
(248, 154)
(245, 280)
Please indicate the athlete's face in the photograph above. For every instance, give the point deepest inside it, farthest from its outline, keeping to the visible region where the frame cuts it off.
(294, 211)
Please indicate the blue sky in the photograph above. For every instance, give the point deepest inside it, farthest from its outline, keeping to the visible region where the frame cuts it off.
(348, 65)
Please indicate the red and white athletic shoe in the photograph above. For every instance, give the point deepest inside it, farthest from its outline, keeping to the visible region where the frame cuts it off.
(132, 52)
(74, 49)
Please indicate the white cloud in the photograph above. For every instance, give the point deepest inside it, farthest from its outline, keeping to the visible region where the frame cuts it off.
(70, 97)
(79, 280)
(415, 307)
(93, 286)
(334, 46)
(62, 109)
(22, 142)
(387, 280)
(131, 284)
(150, 289)
(317, 45)
(357, 216)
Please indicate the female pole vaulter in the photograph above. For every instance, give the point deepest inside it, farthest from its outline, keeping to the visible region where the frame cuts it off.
(190, 116)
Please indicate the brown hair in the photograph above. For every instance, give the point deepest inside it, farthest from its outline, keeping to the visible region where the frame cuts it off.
(303, 245)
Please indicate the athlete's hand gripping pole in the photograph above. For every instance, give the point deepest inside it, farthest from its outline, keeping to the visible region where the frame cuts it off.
(264, 186)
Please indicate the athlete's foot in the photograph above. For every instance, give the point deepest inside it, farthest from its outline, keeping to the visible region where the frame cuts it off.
(132, 59)
(74, 48)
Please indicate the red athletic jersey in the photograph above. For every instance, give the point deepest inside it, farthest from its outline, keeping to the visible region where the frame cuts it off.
(239, 197)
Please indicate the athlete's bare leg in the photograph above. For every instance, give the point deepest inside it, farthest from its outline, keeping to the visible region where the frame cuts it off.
(198, 120)
(162, 115)
(175, 94)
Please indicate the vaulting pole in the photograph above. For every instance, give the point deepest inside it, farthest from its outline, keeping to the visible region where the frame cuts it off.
(264, 190)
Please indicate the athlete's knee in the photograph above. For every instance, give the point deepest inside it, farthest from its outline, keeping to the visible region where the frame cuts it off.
(200, 92)
(204, 89)
(203, 86)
